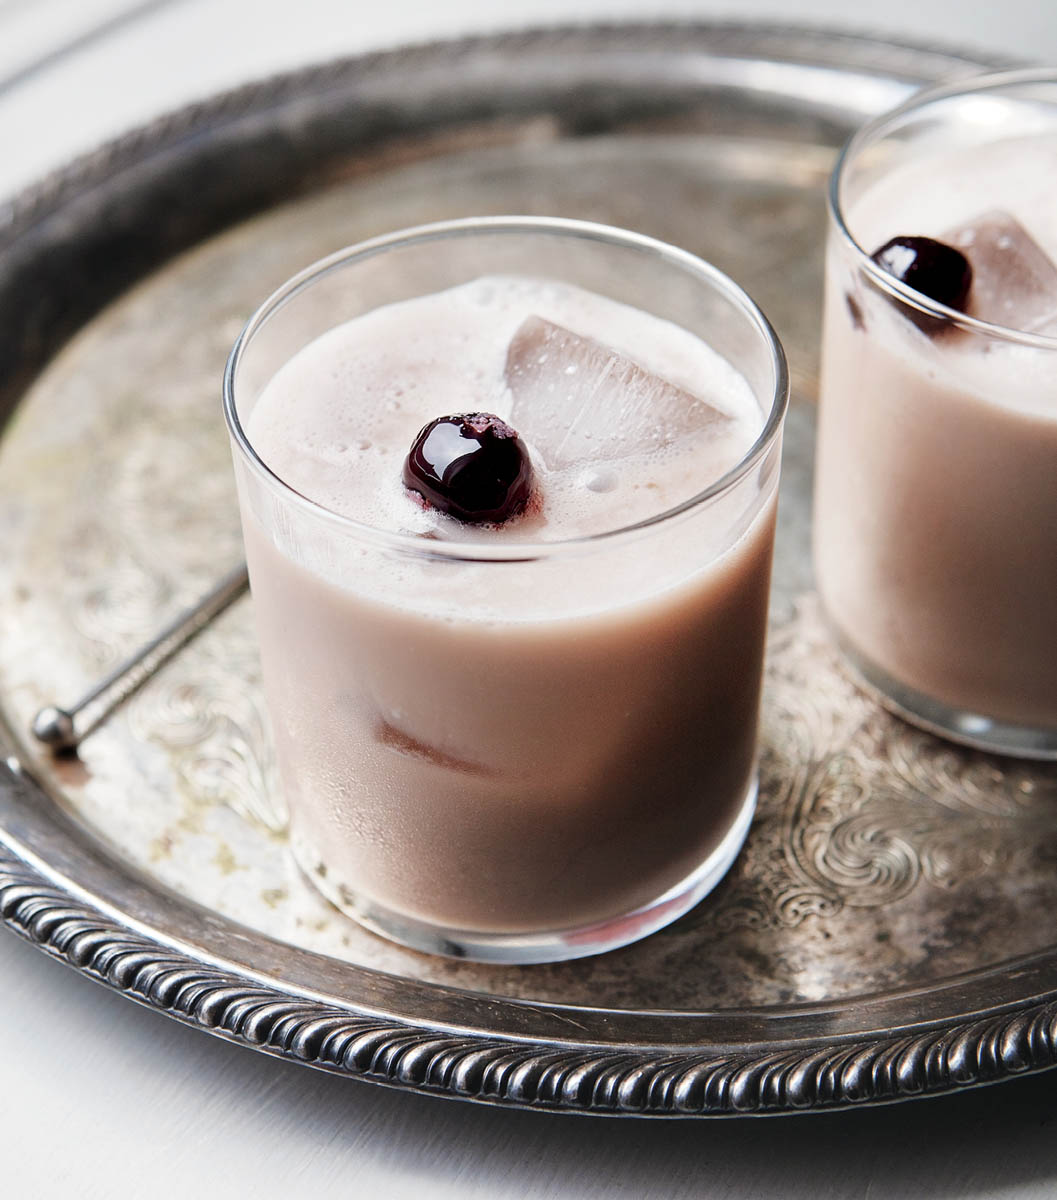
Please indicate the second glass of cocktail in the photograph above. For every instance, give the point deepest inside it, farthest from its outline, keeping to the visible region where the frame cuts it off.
(937, 466)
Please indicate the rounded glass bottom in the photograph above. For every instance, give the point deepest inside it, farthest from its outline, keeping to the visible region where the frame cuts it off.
(545, 946)
(957, 725)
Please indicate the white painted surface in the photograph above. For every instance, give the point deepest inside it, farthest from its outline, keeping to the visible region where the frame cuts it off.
(180, 49)
(101, 1099)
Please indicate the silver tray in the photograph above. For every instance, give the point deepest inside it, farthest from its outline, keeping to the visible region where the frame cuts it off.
(880, 937)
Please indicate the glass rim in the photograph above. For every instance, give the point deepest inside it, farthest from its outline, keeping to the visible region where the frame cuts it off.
(885, 123)
(480, 551)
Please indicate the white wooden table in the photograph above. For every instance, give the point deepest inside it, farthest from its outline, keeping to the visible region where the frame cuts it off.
(102, 1099)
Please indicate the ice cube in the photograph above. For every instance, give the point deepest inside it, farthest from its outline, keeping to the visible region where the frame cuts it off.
(578, 401)
(411, 747)
(1014, 281)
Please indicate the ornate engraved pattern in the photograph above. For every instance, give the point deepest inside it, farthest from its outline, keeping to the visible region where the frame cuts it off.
(211, 721)
(518, 1072)
(857, 808)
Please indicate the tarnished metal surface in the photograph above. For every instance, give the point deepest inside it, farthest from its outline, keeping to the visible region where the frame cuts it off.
(880, 934)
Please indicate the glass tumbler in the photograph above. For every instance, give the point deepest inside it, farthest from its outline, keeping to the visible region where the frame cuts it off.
(513, 752)
(936, 484)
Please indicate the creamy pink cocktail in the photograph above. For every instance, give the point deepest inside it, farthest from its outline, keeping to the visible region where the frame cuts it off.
(936, 494)
(532, 739)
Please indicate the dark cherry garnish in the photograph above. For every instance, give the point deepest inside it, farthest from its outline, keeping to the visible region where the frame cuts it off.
(472, 466)
(936, 270)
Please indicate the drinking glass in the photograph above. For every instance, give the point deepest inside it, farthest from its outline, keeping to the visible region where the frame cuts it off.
(936, 484)
(499, 750)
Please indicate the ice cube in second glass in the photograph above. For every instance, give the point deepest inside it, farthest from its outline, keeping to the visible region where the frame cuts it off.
(1014, 281)
(577, 401)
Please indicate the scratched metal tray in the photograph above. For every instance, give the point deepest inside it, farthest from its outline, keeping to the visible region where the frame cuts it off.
(886, 931)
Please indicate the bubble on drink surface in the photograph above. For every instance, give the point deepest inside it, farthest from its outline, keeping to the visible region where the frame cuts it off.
(1014, 280)
(576, 400)
(599, 479)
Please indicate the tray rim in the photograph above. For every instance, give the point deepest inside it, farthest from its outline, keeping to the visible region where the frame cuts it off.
(526, 1060)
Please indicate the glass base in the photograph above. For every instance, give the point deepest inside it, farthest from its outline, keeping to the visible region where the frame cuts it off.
(541, 947)
(957, 725)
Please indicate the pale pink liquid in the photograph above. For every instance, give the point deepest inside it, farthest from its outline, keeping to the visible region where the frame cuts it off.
(506, 747)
